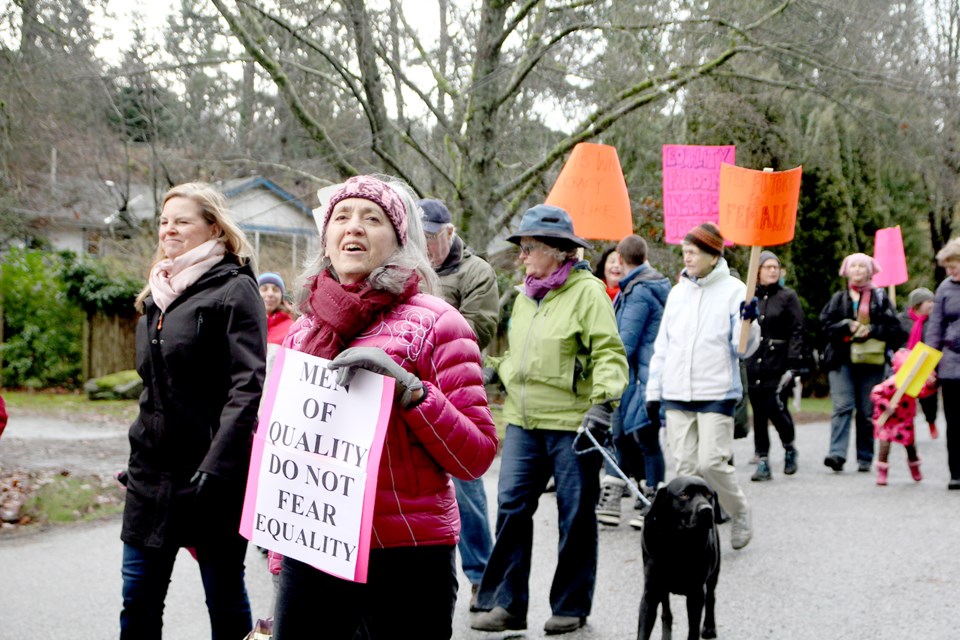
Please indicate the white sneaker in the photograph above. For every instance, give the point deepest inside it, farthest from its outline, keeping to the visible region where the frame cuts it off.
(742, 532)
(608, 508)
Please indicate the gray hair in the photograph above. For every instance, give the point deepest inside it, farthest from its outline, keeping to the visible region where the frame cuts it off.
(568, 250)
(950, 251)
(392, 275)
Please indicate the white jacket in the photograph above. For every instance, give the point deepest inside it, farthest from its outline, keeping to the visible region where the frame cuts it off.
(695, 355)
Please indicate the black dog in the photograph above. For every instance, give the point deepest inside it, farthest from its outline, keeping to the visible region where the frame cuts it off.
(681, 554)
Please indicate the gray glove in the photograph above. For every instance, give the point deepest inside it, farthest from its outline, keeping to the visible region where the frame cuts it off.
(599, 417)
(784, 380)
(376, 360)
(490, 376)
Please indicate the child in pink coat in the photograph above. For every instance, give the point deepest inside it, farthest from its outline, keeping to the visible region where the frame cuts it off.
(899, 426)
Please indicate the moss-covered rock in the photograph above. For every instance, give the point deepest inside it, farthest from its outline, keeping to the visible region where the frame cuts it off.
(122, 385)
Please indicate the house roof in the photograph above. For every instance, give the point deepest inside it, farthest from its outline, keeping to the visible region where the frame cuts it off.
(236, 186)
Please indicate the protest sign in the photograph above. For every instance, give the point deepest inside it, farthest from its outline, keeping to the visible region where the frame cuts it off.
(757, 209)
(691, 186)
(912, 376)
(918, 366)
(889, 254)
(591, 188)
(313, 470)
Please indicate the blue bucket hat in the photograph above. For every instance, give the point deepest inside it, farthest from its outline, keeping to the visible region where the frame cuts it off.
(547, 221)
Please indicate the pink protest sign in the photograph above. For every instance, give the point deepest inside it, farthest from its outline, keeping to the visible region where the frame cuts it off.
(889, 254)
(313, 470)
(691, 186)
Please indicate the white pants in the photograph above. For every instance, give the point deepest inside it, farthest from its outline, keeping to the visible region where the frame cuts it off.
(702, 444)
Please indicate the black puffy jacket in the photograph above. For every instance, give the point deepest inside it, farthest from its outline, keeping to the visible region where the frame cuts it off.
(202, 364)
(781, 336)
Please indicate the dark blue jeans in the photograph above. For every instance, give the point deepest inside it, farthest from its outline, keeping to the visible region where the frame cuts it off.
(528, 460)
(850, 387)
(146, 576)
(410, 593)
(476, 542)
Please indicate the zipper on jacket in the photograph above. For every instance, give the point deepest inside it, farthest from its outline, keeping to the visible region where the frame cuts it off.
(199, 322)
(160, 322)
(537, 318)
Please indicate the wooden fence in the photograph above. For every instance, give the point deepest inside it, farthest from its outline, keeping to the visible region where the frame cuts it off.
(109, 344)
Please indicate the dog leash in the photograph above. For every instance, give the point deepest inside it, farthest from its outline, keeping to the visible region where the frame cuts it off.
(579, 449)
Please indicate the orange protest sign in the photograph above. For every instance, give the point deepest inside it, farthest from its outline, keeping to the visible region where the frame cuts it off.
(591, 188)
(758, 208)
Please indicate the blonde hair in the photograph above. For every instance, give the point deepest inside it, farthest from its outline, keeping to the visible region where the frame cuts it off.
(950, 251)
(214, 210)
(392, 275)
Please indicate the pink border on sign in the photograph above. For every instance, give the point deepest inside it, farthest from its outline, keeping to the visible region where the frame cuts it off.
(256, 454)
(370, 491)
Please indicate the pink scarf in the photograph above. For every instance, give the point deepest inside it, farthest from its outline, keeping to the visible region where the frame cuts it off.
(863, 308)
(537, 288)
(916, 331)
(170, 278)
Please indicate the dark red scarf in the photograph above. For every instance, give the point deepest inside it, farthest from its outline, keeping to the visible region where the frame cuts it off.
(341, 312)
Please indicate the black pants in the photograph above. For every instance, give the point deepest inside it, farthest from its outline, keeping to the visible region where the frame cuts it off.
(951, 411)
(929, 407)
(768, 406)
(410, 593)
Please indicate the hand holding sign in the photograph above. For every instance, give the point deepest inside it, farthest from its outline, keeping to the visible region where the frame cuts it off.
(757, 209)
(377, 361)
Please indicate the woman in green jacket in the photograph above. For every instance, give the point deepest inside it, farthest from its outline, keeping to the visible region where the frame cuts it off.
(565, 368)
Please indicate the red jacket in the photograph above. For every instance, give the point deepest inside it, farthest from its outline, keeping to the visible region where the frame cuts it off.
(449, 433)
(3, 415)
(278, 324)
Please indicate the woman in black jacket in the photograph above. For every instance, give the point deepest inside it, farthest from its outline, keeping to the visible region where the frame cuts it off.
(201, 346)
(771, 368)
(855, 315)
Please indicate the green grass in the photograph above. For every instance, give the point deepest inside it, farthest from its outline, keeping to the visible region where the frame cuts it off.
(63, 499)
(822, 406)
(71, 406)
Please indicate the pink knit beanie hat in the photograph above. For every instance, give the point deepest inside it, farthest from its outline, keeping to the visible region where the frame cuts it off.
(376, 191)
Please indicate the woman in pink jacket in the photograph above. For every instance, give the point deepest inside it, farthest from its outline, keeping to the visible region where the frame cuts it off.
(362, 307)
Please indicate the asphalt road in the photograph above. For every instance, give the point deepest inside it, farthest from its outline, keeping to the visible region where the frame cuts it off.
(833, 556)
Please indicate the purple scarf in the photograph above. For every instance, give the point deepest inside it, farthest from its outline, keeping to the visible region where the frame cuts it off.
(537, 288)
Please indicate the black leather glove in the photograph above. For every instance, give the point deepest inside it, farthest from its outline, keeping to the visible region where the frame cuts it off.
(653, 413)
(750, 310)
(490, 376)
(378, 361)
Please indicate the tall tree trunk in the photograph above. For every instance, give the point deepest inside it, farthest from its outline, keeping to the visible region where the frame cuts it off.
(479, 179)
